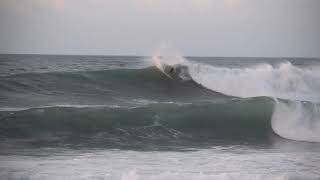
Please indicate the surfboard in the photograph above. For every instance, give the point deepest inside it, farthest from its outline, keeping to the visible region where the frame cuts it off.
(176, 71)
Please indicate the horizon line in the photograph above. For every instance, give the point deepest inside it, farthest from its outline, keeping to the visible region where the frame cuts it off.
(191, 56)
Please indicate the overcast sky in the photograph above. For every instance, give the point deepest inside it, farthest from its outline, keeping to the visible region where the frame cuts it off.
(138, 27)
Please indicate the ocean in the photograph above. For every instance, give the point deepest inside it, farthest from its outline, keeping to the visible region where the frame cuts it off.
(130, 118)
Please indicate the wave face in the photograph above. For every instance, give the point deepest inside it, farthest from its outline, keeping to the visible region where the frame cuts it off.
(106, 87)
(197, 115)
(177, 124)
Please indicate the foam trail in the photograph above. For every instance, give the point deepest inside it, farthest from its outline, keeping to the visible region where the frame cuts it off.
(297, 120)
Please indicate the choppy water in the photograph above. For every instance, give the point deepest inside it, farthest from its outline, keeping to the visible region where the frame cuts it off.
(106, 117)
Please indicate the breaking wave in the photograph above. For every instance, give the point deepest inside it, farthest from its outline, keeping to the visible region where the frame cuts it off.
(296, 86)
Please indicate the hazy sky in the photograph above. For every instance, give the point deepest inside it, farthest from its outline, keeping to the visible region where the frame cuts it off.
(139, 27)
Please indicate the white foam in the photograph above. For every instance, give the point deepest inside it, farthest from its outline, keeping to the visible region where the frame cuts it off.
(284, 81)
(133, 175)
(297, 121)
(13, 109)
(220, 162)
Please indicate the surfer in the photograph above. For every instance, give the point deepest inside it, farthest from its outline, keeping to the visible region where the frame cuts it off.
(175, 71)
(171, 70)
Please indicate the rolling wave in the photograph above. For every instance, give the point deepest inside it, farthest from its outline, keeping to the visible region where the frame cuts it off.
(225, 119)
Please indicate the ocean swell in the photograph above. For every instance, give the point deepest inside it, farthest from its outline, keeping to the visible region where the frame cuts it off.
(226, 119)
